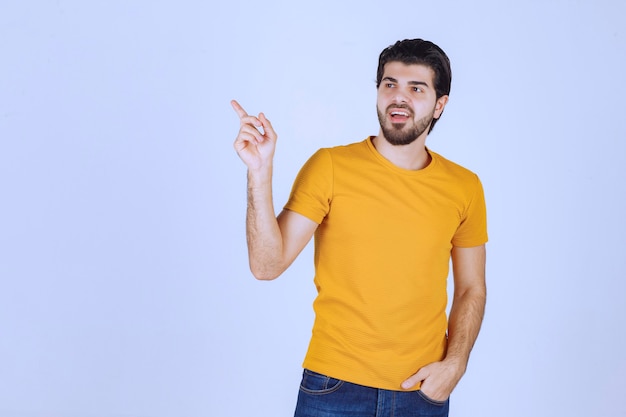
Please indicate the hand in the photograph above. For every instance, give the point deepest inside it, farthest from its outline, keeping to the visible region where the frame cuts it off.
(438, 379)
(254, 147)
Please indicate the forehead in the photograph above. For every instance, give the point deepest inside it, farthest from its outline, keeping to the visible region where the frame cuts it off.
(409, 72)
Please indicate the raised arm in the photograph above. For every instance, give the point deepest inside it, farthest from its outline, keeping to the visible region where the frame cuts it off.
(273, 242)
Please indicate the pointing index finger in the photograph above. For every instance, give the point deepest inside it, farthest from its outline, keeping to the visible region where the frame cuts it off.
(238, 109)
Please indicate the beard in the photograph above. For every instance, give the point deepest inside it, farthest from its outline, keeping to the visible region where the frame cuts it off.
(402, 133)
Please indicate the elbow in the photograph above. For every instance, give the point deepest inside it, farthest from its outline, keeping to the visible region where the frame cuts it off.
(264, 276)
(267, 266)
(263, 273)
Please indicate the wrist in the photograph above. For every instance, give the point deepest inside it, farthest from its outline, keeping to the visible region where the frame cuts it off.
(260, 175)
(456, 362)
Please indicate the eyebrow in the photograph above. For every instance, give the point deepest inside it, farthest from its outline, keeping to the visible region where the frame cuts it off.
(393, 80)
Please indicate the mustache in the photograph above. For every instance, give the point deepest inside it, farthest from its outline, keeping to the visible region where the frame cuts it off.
(400, 106)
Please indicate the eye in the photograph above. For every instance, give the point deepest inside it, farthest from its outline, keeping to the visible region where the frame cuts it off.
(418, 89)
(389, 85)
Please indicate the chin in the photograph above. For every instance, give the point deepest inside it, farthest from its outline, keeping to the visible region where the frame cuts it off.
(397, 140)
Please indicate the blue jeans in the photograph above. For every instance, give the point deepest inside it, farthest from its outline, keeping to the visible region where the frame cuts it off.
(322, 396)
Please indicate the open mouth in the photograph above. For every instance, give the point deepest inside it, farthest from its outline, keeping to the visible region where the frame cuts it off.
(399, 116)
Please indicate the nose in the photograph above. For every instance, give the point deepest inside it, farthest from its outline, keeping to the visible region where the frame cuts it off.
(399, 96)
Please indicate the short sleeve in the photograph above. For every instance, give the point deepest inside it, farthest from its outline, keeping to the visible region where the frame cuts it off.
(311, 193)
(472, 230)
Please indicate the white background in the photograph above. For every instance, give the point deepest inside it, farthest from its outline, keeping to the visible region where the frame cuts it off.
(124, 287)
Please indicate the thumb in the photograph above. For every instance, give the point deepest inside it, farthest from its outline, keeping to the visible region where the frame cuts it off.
(415, 379)
(267, 126)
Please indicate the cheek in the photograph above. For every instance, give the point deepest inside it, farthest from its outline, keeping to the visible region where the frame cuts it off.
(382, 101)
(380, 105)
(384, 94)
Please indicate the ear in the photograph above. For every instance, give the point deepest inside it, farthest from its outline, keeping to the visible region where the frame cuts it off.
(439, 106)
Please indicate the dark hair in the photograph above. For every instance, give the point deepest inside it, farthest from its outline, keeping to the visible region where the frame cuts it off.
(419, 51)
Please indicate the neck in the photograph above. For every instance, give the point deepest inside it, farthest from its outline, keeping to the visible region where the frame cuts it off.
(413, 156)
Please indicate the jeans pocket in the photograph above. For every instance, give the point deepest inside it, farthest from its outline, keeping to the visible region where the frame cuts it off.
(314, 383)
(430, 400)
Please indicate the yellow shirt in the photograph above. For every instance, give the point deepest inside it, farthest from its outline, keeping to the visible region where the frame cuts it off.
(382, 252)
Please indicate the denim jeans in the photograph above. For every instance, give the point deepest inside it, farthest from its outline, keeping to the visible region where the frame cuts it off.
(322, 396)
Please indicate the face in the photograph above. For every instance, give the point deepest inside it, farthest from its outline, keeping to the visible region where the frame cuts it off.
(407, 102)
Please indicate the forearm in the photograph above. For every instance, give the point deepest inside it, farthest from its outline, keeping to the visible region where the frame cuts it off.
(262, 231)
(466, 316)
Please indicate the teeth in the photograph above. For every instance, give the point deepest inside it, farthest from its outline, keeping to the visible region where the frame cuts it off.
(399, 113)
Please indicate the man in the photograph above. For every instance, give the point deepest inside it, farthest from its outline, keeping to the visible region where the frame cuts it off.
(388, 214)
